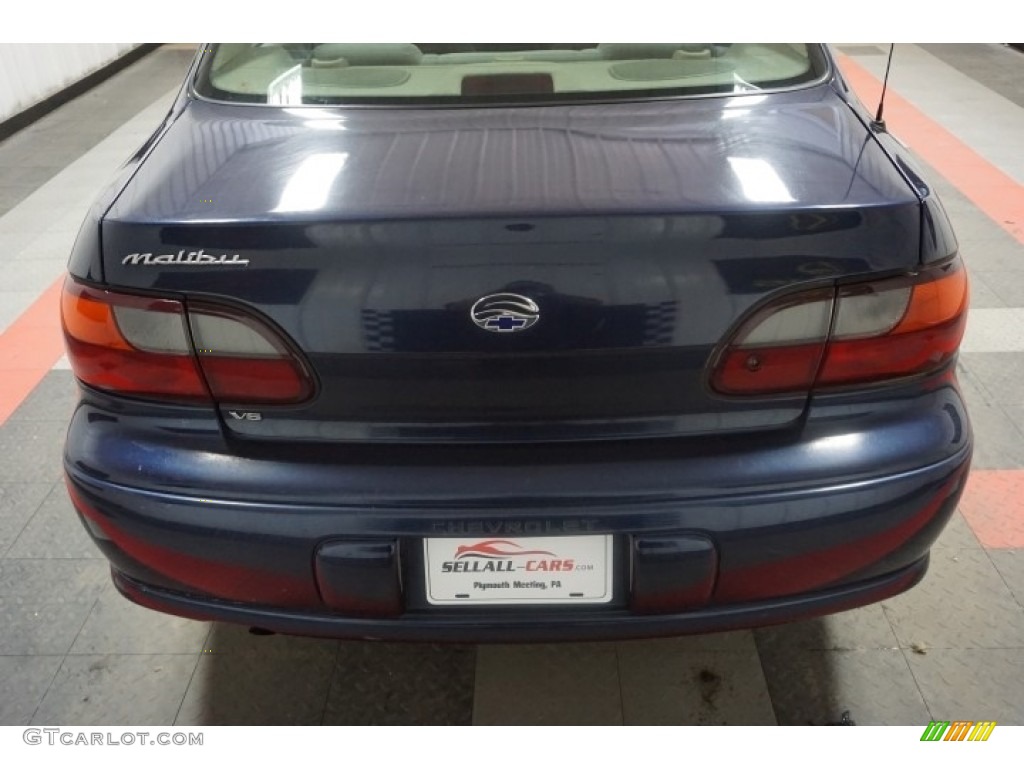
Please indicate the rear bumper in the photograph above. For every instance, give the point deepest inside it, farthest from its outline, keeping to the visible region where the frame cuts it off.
(840, 515)
(497, 629)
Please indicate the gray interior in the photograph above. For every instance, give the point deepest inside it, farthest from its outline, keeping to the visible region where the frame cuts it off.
(293, 74)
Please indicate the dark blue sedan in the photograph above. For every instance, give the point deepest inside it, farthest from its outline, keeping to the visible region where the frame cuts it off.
(477, 342)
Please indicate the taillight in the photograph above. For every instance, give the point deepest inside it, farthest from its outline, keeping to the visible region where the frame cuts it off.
(779, 349)
(129, 344)
(897, 328)
(143, 346)
(857, 334)
(244, 361)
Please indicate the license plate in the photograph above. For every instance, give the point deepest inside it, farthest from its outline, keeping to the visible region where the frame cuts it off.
(521, 571)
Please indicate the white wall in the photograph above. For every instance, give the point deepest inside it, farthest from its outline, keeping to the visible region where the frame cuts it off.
(29, 72)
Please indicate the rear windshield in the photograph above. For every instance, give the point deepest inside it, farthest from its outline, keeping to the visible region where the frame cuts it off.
(292, 74)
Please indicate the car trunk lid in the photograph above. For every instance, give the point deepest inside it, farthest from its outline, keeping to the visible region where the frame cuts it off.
(641, 232)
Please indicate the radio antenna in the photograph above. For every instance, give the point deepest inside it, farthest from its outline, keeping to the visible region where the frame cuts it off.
(879, 122)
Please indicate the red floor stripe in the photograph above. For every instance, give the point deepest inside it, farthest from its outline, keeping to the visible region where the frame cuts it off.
(995, 193)
(29, 348)
(993, 505)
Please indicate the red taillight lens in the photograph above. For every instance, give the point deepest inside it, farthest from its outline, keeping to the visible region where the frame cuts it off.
(244, 361)
(143, 346)
(924, 337)
(768, 370)
(779, 349)
(157, 362)
(857, 334)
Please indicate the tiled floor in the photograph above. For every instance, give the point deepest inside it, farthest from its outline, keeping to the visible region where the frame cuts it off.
(72, 651)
